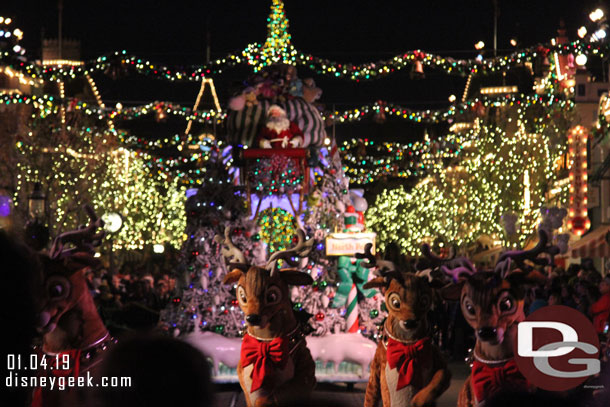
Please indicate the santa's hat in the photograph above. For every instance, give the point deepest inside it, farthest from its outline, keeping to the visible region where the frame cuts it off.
(275, 110)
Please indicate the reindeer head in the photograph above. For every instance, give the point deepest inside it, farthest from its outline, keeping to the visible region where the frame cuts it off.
(64, 268)
(262, 292)
(492, 301)
(408, 297)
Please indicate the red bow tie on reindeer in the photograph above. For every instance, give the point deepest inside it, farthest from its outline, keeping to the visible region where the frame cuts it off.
(408, 369)
(492, 304)
(69, 321)
(275, 366)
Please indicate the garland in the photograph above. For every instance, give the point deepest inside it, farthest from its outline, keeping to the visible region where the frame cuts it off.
(48, 104)
(119, 63)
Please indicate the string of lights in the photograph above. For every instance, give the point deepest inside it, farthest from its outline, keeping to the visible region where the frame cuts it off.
(366, 161)
(48, 104)
(262, 55)
(259, 56)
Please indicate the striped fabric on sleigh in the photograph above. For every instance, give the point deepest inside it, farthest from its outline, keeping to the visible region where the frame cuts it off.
(244, 125)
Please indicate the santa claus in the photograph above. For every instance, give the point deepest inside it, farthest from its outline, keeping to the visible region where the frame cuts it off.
(279, 131)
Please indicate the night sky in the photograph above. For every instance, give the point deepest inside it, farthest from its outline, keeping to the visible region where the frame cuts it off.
(174, 32)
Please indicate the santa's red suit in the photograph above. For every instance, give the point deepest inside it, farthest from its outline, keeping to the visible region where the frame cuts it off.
(282, 139)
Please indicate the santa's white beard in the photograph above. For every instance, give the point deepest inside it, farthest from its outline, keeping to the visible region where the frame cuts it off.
(278, 124)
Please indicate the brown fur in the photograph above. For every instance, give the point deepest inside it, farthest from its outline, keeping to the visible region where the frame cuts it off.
(277, 320)
(415, 296)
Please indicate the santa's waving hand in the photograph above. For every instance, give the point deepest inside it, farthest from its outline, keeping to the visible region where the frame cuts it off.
(279, 131)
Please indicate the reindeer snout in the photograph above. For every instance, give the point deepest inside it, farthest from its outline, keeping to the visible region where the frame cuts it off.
(253, 319)
(410, 323)
(487, 333)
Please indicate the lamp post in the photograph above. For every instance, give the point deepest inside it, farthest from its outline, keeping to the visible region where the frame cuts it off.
(113, 223)
(36, 202)
(36, 231)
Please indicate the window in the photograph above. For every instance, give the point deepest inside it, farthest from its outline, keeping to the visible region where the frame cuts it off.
(581, 89)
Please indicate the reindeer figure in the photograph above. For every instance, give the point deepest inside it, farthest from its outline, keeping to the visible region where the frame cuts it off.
(69, 321)
(275, 367)
(408, 369)
(492, 304)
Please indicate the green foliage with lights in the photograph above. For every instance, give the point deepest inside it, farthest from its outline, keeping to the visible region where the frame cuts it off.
(80, 163)
(277, 228)
(152, 204)
(507, 164)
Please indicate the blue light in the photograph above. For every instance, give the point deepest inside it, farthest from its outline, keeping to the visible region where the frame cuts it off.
(5, 205)
(191, 191)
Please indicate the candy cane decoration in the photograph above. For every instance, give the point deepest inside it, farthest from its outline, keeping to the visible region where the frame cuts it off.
(352, 310)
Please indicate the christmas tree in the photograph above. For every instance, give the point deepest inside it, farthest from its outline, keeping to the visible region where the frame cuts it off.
(204, 299)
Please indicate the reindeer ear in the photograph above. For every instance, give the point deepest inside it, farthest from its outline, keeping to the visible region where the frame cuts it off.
(233, 276)
(377, 282)
(452, 292)
(293, 277)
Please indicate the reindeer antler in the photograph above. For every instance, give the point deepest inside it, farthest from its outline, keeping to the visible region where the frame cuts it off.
(520, 256)
(452, 266)
(230, 252)
(383, 266)
(302, 249)
(84, 239)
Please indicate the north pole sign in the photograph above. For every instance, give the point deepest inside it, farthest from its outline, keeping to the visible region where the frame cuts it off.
(348, 244)
(578, 221)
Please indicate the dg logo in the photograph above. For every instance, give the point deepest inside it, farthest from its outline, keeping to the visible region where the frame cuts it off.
(557, 348)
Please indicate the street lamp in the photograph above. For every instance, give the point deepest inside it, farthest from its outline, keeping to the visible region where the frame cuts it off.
(582, 32)
(596, 15)
(599, 35)
(113, 223)
(36, 202)
(581, 60)
(36, 231)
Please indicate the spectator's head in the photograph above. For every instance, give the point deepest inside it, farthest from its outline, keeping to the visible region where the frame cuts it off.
(21, 278)
(555, 298)
(116, 281)
(604, 285)
(149, 281)
(164, 372)
(573, 269)
(171, 283)
(587, 264)
(566, 291)
(161, 287)
(593, 276)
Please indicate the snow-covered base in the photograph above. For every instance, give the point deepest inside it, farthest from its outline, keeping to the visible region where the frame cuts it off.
(340, 357)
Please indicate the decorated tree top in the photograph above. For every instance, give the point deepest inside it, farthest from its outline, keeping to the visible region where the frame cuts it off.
(277, 47)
